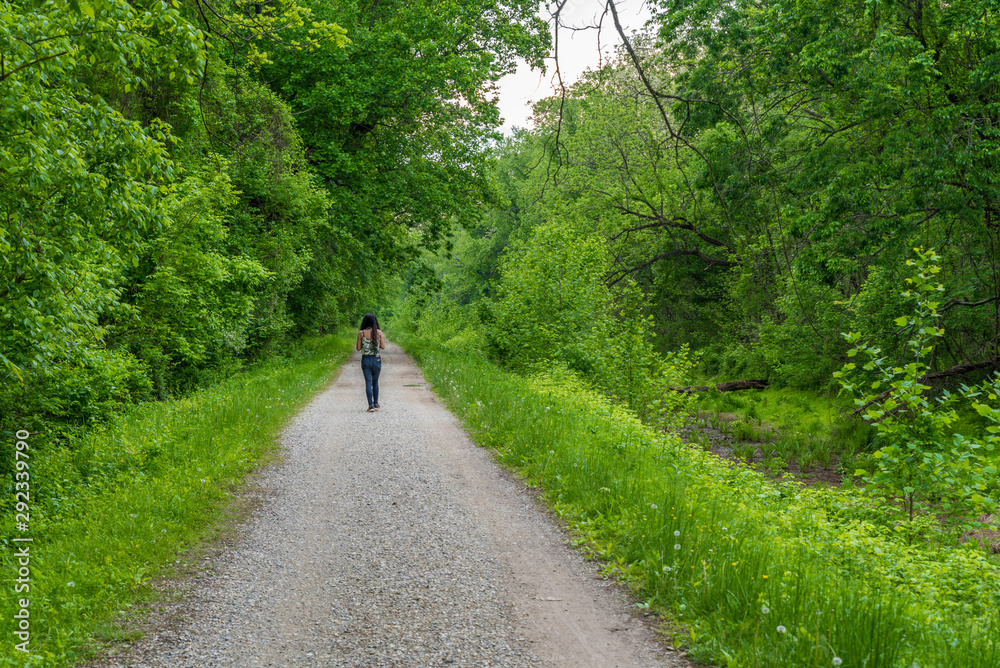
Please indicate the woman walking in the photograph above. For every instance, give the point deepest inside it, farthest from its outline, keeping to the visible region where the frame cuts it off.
(370, 340)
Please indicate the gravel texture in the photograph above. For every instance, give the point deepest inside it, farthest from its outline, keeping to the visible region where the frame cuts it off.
(389, 539)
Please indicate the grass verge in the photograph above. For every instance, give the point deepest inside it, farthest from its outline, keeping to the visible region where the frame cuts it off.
(762, 573)
(115, 507)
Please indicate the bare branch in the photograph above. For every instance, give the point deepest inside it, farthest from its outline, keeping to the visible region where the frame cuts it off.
(621, 274)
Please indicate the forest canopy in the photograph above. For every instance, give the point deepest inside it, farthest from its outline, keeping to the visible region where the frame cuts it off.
(762, 173)
(187, 185)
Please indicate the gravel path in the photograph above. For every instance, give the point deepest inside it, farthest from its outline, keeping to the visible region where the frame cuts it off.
(389, 539)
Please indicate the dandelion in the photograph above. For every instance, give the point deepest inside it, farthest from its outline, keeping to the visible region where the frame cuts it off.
(837, 661)
(765, 610)
(70, 584)
(781, 629)
(677, 533)
(677, 546)
(667, 569)
(653, 506)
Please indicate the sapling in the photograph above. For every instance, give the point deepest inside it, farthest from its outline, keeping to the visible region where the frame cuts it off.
(918, 461)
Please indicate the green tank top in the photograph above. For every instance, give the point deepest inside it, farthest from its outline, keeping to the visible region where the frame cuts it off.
(369, 346)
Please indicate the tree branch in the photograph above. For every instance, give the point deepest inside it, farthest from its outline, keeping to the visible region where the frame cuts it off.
(697, 253)
(957, 370)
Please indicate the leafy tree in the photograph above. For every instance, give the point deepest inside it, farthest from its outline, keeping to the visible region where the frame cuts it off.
(79, 182)
(192, 302)
(397, 123)
(120, 258)
(553, 308)
(761, 173)
(858, 131)
(552, 304)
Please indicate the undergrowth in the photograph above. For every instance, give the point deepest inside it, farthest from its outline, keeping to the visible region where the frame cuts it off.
(760, 573)
(119, 504)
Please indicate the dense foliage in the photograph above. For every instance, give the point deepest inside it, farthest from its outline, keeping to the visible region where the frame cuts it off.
(763, 172)
(185, 186)
(188, 186)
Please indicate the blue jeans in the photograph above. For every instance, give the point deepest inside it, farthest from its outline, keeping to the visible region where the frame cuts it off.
(371, 366)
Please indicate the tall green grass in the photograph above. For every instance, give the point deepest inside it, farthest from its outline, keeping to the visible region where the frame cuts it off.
(759, 573)
(121, 504)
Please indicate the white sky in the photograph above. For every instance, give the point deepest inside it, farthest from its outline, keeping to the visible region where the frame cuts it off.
(578, 52)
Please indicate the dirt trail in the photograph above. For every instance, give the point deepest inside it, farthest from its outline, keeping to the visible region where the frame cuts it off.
(389, 539)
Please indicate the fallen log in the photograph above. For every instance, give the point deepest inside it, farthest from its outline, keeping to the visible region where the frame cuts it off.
(758, 384)
(731, 386)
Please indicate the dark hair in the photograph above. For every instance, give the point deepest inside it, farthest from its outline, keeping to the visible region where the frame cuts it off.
(370, 321)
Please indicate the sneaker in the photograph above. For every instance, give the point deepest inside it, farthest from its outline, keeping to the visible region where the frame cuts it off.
(371, 409)
(377, 406)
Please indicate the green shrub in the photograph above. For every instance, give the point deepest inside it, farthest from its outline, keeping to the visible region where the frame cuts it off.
(553, 309)
(744, 431)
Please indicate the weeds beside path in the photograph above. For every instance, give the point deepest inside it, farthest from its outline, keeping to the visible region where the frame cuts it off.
(762, 573)
(118, 507)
